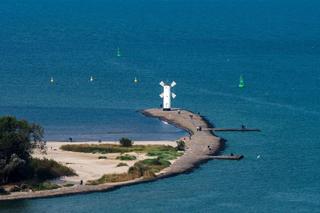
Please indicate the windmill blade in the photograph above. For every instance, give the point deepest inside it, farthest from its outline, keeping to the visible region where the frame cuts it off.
(173, 95)
(162, 83)
(161, 95)
(173, 83)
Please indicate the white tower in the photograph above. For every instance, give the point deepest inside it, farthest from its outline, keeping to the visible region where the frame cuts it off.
(166, 95)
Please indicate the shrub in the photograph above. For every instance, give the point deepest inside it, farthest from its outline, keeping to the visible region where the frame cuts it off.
(122, 164)
(181, 145)
(126, 142)
(137, 170)
(148, 167)
(102, 157)
(68, 185)
(20, 188)
(45, 169)
(3, 191)
(126, 157)
(15, 188)
(17, 140)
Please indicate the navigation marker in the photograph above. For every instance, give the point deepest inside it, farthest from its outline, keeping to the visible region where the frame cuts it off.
(118, 52)
(241, 82)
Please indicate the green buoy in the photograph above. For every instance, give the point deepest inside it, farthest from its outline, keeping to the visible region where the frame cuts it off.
(118, 52)
(241, 82)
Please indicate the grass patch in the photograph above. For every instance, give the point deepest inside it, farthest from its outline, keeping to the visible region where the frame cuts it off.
(168, 154)
(102, 157)
(97, 148)
(111, 178)
(44, 186)
(126, 157)
(145, 168)
(162, 151)
(154, 165)
(122, 164)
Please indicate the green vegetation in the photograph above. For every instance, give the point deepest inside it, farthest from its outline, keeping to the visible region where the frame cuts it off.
(141, 169)
(44, 186)
(18, 138)
(165, 153)
(68, 185)
(95, 148)
(111, 178)
(21, 188)
(149, 166)
(32, 185)
(122, 164)
(126, 157)
(161, 151)
(44, 169)
(102, 157)
(126, 142)
(181, 145)
(3, 191)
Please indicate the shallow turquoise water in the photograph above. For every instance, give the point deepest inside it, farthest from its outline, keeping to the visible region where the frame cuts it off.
(204, 46)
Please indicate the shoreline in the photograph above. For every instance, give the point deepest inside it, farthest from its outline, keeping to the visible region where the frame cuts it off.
(200, 146)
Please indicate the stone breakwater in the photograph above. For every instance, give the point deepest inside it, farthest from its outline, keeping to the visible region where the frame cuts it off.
(199, 147)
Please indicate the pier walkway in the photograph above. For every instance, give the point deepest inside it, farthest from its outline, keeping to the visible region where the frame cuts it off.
(201, 145)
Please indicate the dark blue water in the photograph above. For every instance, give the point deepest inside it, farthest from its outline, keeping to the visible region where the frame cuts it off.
(204, 46)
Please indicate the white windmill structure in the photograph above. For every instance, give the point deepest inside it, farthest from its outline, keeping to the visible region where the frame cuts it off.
(167, 94)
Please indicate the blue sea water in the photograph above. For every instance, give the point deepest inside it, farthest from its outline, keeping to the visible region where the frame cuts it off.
(90, 124)
(204, 45)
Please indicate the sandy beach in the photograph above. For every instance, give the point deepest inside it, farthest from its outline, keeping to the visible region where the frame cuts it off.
(88, 166)
(200, 146)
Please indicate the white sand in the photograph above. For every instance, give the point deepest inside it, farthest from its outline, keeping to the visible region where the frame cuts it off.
(87, 165)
